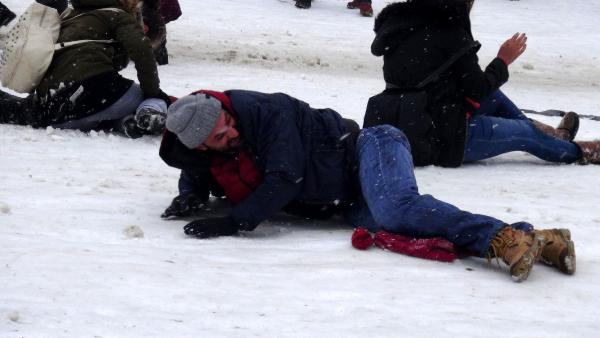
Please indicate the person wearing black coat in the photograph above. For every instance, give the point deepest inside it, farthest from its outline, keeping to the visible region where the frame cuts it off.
(272, 152)
(446, 104)
(156, 31)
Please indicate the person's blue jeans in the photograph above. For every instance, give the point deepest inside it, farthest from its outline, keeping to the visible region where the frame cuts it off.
(391, 199)
(499, 127)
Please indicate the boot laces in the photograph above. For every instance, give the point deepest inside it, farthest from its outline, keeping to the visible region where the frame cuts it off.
(498, 246)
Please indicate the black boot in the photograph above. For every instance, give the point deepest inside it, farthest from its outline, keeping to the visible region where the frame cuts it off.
(305, 4)
(128, 127)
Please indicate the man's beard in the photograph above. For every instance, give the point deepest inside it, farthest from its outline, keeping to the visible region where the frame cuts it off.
(234, 144)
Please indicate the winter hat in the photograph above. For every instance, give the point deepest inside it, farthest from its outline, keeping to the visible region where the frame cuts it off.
(192, 118)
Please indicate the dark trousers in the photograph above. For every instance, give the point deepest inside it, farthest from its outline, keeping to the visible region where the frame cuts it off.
(6, 15)
(73, 102)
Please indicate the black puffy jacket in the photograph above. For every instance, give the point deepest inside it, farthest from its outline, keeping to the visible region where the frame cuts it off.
(415, 38)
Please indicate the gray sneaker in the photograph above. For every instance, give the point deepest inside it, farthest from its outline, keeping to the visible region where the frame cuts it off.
(150, 121)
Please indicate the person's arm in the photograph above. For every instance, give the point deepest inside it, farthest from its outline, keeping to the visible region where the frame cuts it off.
(195, 183)
(281, 148)
(193, 194)
(129, 33)
(283, 153)
(478, 84)
(512, 48)
(475, 83)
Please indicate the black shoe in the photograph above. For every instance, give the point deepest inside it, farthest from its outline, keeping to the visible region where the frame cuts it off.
(150, 121)
(305, 4)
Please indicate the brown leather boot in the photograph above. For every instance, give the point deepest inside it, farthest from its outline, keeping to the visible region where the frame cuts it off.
(519, 249)
(566, 130)
(569, 125)
(559, 250)
(590, 152)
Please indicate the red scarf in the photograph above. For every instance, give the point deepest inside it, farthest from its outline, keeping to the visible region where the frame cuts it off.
(236, 173)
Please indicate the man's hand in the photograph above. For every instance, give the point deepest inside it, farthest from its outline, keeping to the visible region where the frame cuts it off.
(211, 227)
(513, 48)
(183, 205)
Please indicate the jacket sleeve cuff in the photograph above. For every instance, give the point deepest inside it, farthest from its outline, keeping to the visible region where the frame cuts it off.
(499, 68)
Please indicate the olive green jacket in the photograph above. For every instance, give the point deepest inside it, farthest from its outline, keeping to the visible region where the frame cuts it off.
(80, 62)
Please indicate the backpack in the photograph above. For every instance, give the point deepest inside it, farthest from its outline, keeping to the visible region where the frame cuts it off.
(31, 44)
(407, 108)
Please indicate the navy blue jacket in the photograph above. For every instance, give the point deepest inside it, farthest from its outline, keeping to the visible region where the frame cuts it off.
(306, 156)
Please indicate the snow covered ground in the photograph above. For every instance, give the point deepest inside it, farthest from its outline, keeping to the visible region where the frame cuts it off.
(67, 269)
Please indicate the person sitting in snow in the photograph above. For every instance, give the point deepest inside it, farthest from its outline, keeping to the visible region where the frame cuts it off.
(83, 89)
(364, 6)
(272, 152)
(450, 109)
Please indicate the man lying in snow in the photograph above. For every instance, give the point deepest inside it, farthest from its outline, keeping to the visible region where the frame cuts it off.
(83, 88)
(271, 152)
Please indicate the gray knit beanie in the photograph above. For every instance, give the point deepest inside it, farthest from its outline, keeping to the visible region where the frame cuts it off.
(192, 118)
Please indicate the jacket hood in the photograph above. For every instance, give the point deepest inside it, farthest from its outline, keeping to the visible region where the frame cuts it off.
(403, 17)
(92, 4)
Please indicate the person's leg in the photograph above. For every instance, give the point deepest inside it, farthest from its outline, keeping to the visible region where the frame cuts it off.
(17, 110)
(125, 106)
(391, 193)
(499, 105)
(489, 136)
(359, 215)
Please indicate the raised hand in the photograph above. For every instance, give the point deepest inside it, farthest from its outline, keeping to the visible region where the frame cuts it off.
(512, 48)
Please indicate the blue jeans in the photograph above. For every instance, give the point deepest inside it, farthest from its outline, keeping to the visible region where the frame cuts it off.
(499, 127)
(391, 200)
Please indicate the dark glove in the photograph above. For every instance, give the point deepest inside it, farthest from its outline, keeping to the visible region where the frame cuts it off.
(183, 205)
(211, 227)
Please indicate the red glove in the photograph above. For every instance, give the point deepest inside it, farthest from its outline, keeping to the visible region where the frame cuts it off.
(361, 239)
(437, 248)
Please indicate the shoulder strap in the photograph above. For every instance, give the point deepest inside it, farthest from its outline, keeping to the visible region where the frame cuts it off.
(112, 9)
(436, 74)
(62, 45)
